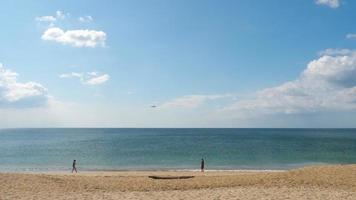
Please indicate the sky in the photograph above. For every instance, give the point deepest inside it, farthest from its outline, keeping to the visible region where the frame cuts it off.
(178, 63)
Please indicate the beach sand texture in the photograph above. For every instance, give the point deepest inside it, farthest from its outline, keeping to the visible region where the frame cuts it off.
(319, 182)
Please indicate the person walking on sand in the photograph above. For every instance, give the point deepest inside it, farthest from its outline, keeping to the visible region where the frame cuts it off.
(74, 168)
(202, 163)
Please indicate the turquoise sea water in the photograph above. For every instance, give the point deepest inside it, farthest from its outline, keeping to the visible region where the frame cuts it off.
(160, 149)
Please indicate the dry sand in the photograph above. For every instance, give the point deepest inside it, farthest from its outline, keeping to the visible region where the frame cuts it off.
(322, 182)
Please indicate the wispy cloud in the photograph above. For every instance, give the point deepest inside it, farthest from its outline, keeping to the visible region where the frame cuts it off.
(76, 38)
(192, 101)
(17, 94)
(97, 80)
(46, 19)
(86, 19)
(330, 3)
(334, 52)
(61, 15)
(72, 75)
(52, 18)
(89, 78)
(351, 36)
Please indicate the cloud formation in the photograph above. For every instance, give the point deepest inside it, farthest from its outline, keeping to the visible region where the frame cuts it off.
(327, 84)
(16, 94)
(76, 38)
(60, 15)
(87, 18)
(334, 52)
(89, 78)
(49, 18)
(46, 19)
(330, 3)
(351, 36)
(192, 101)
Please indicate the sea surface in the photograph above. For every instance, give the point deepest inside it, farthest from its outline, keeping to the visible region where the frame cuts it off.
(173, 149)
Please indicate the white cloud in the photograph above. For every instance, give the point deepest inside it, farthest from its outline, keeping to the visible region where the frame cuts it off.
(192, 101)
(60, 15)
(76, 38)
(327, 84)
(87, 18)
(49, 18)
(89, 78)
(71, 75)
(46, 19)
(333, 52)
(330, 3)
(14, 93)
(97, 80)
(351, 36)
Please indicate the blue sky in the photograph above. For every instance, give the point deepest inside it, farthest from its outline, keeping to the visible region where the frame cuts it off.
(244, 63)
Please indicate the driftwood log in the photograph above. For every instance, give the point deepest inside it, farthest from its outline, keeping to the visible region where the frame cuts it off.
(171, 177)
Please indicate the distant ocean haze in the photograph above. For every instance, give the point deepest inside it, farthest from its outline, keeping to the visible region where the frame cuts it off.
(173, 149)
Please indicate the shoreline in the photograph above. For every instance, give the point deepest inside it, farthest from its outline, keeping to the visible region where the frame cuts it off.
(167, 169)
(147, 171)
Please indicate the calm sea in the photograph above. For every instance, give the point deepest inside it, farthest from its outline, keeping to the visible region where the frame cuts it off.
(160, 149)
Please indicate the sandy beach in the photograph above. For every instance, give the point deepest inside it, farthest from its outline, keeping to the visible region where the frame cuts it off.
(319, 182)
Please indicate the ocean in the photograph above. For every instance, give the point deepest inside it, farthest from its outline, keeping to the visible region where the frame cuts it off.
(173, 149)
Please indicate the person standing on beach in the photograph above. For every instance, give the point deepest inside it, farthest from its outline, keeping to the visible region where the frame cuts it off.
(74, 168)
(202, 163)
